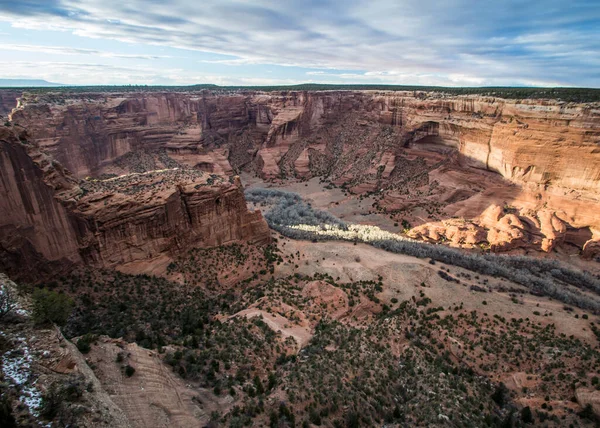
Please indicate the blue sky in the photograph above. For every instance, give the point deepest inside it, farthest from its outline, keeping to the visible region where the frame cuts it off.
(424, 42)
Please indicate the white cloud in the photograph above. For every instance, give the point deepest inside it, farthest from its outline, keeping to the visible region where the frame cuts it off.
(63, 50)
(95, 73)
(456, 42)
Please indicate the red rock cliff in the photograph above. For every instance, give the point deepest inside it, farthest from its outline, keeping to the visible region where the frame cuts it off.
(528, 141)
(48, 219)
(549, 150)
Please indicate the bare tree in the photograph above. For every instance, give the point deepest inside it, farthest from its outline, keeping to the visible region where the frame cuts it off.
(541, 276)
(7, 301)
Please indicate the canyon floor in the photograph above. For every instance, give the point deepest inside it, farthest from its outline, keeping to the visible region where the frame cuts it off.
(307, 333)
(319, 334)
(358, 208)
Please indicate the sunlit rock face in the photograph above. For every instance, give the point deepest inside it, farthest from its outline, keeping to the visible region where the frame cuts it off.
(530, 141)
(543, 153)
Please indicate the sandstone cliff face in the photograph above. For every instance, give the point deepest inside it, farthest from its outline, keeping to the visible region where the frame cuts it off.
(544, 154)
(530, 141)
(88, 134)
(8, 101)
(166, 213)
(34, 225)
(48, 217)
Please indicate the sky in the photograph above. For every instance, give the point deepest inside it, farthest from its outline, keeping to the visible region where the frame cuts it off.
(237, 42)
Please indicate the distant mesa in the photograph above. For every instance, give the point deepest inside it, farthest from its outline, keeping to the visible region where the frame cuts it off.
(23, 83)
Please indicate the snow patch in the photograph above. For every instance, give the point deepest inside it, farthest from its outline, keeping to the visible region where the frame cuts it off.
(16, 365)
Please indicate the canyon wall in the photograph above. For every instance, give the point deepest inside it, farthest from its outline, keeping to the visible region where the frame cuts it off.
(34, 225)
(167, 214)
(49, 220)
(528, 141)
(8, 101)
(544, 153)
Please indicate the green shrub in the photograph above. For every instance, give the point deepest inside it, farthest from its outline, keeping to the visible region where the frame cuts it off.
(6, 417)
(314, 417)
(587, 413)
(83, 344)
(527, 415)
(59, 393)
(129, 371)
(51, 307)
(500, 395)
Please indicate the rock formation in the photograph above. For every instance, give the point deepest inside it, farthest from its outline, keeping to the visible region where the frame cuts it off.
(155, 396)
(460, 155)
(49, 218)
(527, 141)
(8, 101)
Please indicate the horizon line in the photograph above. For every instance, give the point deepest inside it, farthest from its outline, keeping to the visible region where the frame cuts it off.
(338, 85)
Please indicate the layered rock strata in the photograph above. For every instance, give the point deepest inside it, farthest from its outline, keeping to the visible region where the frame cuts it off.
(49, 218)
(461, 155)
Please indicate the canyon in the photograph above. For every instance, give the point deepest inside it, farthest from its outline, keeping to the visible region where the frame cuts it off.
(468, 171)
(52, 221)
(191, 304)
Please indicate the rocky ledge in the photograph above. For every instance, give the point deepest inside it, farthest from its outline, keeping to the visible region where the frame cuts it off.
(50, 220)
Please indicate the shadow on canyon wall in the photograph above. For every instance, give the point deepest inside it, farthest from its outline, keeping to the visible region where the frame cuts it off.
(417, 161)
(509, 214)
